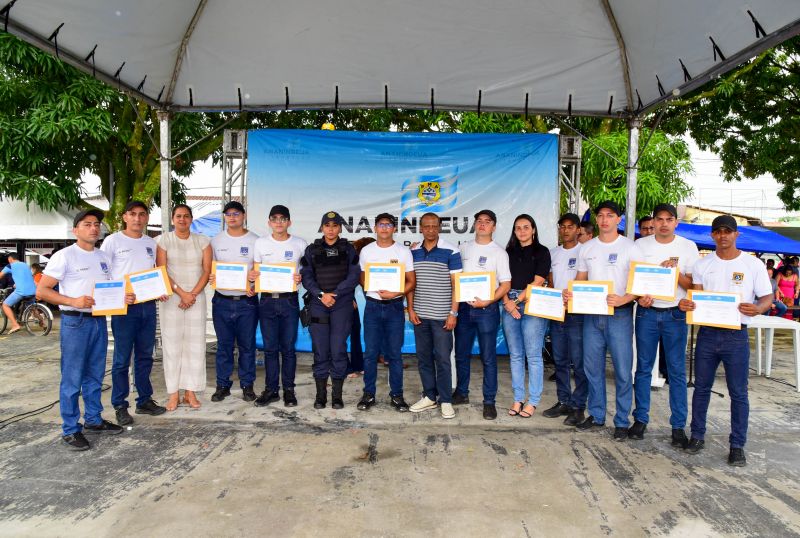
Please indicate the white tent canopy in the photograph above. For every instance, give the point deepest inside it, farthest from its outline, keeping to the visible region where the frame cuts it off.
(32, 223)
(585, 57)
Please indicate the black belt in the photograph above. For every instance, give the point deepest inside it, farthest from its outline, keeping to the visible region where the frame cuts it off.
(76, 313)
(283, 295)
(232, 297)
(387, 301)
(657, 309)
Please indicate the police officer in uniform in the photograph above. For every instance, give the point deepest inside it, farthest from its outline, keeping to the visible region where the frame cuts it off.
(330, 273)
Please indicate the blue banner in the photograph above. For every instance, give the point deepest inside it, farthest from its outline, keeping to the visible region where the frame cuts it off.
(406, 174)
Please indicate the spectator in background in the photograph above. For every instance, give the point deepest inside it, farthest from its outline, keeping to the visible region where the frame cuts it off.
(586, 232)
(24, 286)
(787, 285)
(36, 270)
(777, 304)
(647, 226)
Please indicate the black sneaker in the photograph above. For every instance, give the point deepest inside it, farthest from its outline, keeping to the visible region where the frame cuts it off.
(574, 418)
(289, 399)
(77, 441)
(399, 403)
(220, 394)
(366, 401)
(695, 445)
(489, 411)
(150, 407)
(248, 394)
(736, 457)
(620, 434)
(552, 377)
(679, 438)
(459, 399)
(558, 410)
(123, 417)
(104, 427)
(637, 430)
(266, 398)
(589, 424)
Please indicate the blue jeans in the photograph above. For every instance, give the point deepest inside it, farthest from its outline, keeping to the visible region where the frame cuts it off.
(235, 324)
(525, 338)
(84, 343)
(434, 345)
(615, 334)
(384, 326)
(780, 307)
(567, 339)
(482, 322)
(278, 318)
(732, 349)
(134, 333)
(670, 327)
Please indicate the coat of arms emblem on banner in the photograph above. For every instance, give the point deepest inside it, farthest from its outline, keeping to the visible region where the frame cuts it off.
(429, 192)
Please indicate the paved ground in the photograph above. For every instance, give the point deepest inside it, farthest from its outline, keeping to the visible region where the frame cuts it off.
(232, 469)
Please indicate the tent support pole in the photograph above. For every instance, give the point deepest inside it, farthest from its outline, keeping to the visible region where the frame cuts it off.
(634, 125)
(166, 169)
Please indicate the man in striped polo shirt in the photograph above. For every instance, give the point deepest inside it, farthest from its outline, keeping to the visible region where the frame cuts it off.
(433, 311)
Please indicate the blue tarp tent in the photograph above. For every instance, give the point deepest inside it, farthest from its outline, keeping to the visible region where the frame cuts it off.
(208, 225)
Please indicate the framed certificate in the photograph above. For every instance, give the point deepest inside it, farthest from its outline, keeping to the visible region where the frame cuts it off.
(472, 285)
(714, 309)
(653, 280)
(545, 303)
(590, 297)
(276, 277)
(230, 276)
(385, 276)
(109, 298)
(148, 285)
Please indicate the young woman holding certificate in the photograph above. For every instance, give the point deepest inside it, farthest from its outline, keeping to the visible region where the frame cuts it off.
(529, 262)
(187, 257)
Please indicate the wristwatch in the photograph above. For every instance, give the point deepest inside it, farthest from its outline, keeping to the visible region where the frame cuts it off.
(320, 294)
(454, 314)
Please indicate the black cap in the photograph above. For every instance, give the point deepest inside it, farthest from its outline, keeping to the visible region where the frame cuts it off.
(669, 208)
(724, 221)
(488, 212)
(572, 217)
(386, 216)
(233, 205)
(136, 203)
(608, 204)
(280, 210)
(89, 212)
(331, 216)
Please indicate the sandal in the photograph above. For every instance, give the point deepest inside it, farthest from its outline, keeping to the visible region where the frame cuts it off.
(15, 330)
(172, 402)
(515, 409)
(527, 414)
(191, 400)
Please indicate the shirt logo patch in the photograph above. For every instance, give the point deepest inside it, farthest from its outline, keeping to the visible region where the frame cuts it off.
(738, 278)
(104, 267)
(394, 261)
(612, 259)
(572, 262)
(149, 251)
(244, 251)
(331, 252)
(482, 261)
(287, 254)
(674, 259)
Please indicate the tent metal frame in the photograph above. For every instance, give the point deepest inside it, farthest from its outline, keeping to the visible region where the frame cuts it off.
(234, 167)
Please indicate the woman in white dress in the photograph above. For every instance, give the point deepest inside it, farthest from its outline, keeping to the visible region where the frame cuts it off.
(187, 257)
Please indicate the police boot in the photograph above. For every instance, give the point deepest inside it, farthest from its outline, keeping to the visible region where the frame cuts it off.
(322, 393)
(336, 394)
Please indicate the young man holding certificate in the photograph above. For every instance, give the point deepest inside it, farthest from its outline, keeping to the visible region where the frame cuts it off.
(481, 316)
(387, 274)
(84, 338)
(234, 307)
(278, 311)
(131, 250)
(730, 270)
(660, 320)
(608, 257)
(567, 336)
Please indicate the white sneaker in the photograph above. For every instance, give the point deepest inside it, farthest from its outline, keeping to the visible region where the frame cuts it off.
(448, 411)
(423, 405)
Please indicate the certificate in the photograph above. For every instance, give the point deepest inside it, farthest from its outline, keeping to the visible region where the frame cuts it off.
(276, 277)
(385, 276)
(149, 285)
(472, 285)
(590, 297)
(109, 298)
(653, 280)
(230, 276)
(545, 303)
(714, 309)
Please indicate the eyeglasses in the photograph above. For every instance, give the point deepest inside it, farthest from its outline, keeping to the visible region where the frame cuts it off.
(278, 219)
(648, 228)
(233, 214)
(384, 225)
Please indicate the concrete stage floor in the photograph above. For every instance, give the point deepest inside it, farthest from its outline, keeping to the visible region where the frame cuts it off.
(231, 469)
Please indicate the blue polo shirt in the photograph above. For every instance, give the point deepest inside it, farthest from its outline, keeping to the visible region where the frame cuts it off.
(23, 278)
(433, 294)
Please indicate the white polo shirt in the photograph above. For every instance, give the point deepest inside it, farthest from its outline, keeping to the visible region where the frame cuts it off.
(129, 255)
(227, 248)
(745, 275)
(491, 257)
(609, 261)
(77, 270)
(680, 249)
(564, 265)
(270, 250)
(396, 253)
